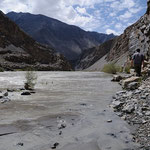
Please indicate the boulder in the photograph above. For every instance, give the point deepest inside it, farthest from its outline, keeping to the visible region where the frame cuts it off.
(117, 78)
(126, 82)
(117, 104)
(129, 108)
(26, 93)
(133, 85)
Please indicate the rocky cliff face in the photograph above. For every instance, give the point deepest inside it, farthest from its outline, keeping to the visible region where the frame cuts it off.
(19, 51)
(135, 36)
(69, 40)
(92, 55)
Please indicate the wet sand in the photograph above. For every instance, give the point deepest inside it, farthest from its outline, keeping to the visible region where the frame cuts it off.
(69, 110)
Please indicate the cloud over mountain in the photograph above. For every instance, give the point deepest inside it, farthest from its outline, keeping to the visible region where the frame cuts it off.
(97, 15)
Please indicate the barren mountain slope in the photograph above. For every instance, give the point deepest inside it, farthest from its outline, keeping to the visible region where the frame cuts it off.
(19, 51)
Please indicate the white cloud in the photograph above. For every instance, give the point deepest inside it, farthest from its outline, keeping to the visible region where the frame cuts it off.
(125, 16)
(122, 5)
(118, 26)
(135, 10)
(128, 4)
(88, 14)
(81, 10)
(110, 31)
(109, 0)
(87, 3)
(113, 14)
(15, 5)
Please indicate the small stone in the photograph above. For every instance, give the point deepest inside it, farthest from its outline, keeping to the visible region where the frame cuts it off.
(109, 121)
(60, 133)
(6, 94)
(26, 93)
(20, 144)
(120, 92)
(1, 96)
(62, 124)
(144, 121)
(4, 100)
(143, 96)
(117, 104)
(112, 134)
(146, 94)
(55, 145)
(10, 90)
(83, 104)
(124, 117)
(129, 108)
(137, 92)
(147, 113)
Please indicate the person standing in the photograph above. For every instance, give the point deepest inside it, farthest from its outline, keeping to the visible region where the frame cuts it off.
(138, 61)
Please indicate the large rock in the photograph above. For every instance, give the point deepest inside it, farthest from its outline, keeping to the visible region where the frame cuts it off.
(133, 85)
(126, 82)
(117, 78)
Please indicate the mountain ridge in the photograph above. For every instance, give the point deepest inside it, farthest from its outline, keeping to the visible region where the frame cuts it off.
(69, 40)
(20, 51)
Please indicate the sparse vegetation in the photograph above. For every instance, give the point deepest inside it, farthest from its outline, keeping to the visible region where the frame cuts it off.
(1, 69)
(31, 79)
(127, 69)
(111, 68)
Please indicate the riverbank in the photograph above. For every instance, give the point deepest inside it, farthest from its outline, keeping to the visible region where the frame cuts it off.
(67, 110)
(133, 106)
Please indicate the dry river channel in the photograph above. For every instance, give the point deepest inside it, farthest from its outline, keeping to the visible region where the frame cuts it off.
(68, 111)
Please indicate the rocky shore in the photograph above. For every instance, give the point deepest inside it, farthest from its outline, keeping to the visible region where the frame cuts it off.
(132, 104)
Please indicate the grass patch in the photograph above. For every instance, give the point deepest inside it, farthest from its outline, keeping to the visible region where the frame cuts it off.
(1, 69)
(111, 68)
(127, 69)
(31, 79)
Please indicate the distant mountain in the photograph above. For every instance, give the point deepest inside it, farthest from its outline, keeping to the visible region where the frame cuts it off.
(69, 40)
(19, 51)
(92, 55)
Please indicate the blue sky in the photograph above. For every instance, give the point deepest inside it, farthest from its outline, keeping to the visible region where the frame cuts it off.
(104, 16)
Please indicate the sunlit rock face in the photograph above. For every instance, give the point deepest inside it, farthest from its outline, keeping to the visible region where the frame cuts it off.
(135, 36)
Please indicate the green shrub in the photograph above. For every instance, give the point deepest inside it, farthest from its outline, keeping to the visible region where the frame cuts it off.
(127, 69)
(31, 78)
(111, 68)
(1, 69)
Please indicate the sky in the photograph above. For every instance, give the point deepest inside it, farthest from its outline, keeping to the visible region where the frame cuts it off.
(103, 16)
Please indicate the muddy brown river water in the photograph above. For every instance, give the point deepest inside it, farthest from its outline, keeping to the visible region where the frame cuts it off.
(68, 111)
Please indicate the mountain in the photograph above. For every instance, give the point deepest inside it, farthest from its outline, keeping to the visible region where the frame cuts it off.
(20, 51)
(135, 36)
(69, 40)
(90, 56)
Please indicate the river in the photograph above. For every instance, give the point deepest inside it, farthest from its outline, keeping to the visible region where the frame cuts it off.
(77, 100)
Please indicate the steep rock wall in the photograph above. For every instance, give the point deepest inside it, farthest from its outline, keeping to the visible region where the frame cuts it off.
(135, 36)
